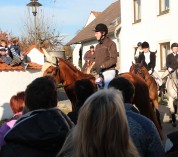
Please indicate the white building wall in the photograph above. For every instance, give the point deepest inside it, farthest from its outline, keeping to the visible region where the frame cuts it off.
(11, 83)
(153, 28)
(90, 19)
(75, 54)
(36, 56)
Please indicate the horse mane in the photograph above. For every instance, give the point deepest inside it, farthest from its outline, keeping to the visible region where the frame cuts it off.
(71, 66)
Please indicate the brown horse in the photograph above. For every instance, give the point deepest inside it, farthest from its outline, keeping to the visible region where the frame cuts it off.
(67, 74)
(142, 72)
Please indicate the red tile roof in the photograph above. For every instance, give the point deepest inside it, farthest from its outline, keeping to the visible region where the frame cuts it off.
(5, 67)
(31, 47)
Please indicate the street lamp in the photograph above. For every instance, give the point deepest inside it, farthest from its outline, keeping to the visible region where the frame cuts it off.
(34, 4)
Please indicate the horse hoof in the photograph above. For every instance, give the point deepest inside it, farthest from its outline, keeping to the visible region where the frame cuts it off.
(174, 124)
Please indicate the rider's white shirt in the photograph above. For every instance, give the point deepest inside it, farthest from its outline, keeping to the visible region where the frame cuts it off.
(147, 57)
(174, 53)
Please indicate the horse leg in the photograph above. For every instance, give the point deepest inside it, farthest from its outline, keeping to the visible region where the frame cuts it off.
(71, 95)
(172, 110)
(155, 104)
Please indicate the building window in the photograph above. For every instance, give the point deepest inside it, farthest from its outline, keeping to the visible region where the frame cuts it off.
(163, 6)
(164, 50)
(137, 10)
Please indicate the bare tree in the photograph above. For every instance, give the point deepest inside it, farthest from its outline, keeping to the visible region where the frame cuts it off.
(46, 34)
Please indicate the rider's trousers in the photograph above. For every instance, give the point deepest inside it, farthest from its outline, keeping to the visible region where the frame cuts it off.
(108, 76)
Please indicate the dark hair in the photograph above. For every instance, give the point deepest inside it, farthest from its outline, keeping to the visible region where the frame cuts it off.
(15, 40)
(17, 102)
(174, 45)
(4, 41)
(41, 94)
(83, 89)
(145, 44)
(91, 47)
(124, 85)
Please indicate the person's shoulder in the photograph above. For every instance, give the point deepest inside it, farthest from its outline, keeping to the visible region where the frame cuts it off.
(170, 55)
(87, 52)
(142, 120)
(4, 127)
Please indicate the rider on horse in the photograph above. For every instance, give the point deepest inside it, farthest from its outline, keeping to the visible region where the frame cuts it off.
(148, 59)
(172, 59)
(171, 62)
(138, 51)
(105, 54)
(172, 65)
(89, 56)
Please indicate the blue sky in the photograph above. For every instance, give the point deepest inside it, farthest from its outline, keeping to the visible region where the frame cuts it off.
(69, 16)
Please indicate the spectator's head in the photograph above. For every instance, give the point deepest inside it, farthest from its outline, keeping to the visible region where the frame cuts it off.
(92, 48)
(125, 86)
(17, 102)
(41, 94)
(83, 89)
(102, 126)
(145, 46)
(3, 43)
(15, 40)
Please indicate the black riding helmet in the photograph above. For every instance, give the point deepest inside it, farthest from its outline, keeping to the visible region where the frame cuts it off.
(145, 44)
(101, 28)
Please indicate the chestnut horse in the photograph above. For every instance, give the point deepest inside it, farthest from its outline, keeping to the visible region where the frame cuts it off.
(142, 72)
(64, 72)
(67, 74)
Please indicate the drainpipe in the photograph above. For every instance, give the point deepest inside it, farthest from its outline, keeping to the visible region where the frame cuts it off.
(116, 35)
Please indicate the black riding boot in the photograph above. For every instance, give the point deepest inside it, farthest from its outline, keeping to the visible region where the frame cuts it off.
(173, 120)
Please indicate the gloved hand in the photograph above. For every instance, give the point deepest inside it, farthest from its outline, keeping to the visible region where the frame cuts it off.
(99, 71)
(170, 69)
(150, 72)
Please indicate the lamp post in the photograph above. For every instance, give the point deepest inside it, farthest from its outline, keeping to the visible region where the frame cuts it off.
(34, 4)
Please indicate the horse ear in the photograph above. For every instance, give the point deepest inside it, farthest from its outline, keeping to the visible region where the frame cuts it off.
(48, 57)
(155, 51)
(141, 64)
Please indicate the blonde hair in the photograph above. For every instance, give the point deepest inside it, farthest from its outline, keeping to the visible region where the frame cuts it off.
(102, 128)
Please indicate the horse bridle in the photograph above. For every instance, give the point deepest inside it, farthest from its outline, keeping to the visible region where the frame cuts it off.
(137, 70)
(56, 66)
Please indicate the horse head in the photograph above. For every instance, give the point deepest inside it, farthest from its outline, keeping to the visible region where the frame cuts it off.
(139, 69)
(63, 71)
(51, 67)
